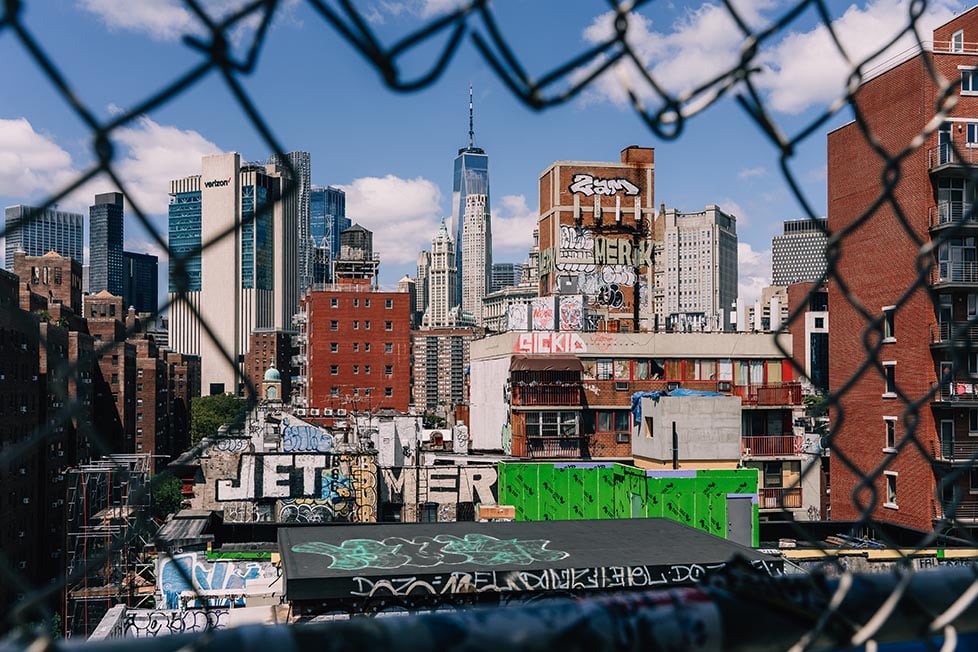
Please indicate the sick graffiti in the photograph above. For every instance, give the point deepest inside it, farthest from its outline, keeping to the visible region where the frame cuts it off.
(426, 552)
(549, 343)
(305, 438)
(588, 185)
(307, 510)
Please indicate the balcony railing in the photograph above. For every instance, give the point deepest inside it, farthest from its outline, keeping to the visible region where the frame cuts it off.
(959, 449)
(535, 395)
(780, 498)
(952, 212)
(946, 154)
(770, 445)
(947, 272)
(956, 391)
(964, 332)
(781, 394)
(565, 447)
(963, 511)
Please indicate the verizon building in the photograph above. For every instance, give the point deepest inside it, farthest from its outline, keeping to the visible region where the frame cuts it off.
(246, 277)
(596, 236)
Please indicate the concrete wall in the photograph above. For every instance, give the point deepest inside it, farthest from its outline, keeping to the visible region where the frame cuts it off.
(708, 429)
(488, 408)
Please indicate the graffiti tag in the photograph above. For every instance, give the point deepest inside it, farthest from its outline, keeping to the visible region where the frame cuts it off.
(587, 185)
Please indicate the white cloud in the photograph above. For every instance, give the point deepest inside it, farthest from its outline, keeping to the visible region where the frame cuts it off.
(168, 20)
(512, 225)
(30, 162)
(402, 213)
(748, 173)
(731, 207)
(800, 70)
(431, 8)
(806, 68)
(754, 272)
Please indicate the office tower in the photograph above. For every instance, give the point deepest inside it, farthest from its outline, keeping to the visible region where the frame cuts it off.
(913, 371)
(473, 229)
(696, 270)
(140, 281)
(798, 254)
(301, 163)
(246, 277)
(105, 237)
(421, 282)
(595, 235)
(505, 275)
(442, 281)
(50, 230)
(327, 216)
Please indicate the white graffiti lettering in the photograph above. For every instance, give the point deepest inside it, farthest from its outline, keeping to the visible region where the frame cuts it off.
(587, 185)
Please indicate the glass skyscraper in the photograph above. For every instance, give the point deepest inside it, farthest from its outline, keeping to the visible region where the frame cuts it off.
(470, 205)
(140, 273)
(327, 219)
(51, 230)
(105, 234)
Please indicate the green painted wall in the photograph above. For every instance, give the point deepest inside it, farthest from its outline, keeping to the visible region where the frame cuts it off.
(553, 491)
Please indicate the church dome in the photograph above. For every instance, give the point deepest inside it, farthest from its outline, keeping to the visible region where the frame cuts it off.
(272, 375)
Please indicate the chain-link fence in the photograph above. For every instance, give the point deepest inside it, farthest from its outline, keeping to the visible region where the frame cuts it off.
(801, 612)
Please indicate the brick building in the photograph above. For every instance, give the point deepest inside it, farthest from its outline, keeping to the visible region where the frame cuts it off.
(354, 349)
(595, 235)
(56, 278)
(920, 355)
(269, 348)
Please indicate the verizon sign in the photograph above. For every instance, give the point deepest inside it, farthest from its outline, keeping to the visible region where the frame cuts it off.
(217, 183)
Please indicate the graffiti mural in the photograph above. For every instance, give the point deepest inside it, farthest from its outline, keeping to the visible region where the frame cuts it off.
(518, 316)
(426, 552)
(445, 485)
(571, 313)
(304, 437)
(193, 572)
(611, 296)
(149, 624)
(588, 185)
(543, 314)
(307, 510)
(549, 343)
(363, 470)
(286, 476)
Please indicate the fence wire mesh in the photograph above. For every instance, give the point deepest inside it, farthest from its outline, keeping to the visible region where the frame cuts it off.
(815, 610)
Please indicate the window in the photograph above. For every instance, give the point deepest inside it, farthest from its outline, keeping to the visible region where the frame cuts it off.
(388, 325)
(388, 347)
(603, 369)
(388, 303)
(356, 303)
(366, 346)
(969, 81)
(334, 325)
(772, 474)
(889, 323)
(356, 346)
(115, 379)
(552, 424)
(820, 322)
(334, 302)
(889, 444)
(366, 303)
(366, 391)
(891, 489)
(388, 391)
(389, 371)
(973, 422)
(356, 324)
(334, 370)
(334, 347)
(611, 421)
(957, 41)
(366, 369)
(889, 371)
(334, 391)
(366, 324)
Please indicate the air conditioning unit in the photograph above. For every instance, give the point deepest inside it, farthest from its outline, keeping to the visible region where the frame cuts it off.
(723, 386)
(327, 412)
(314, 412)
(341, 412)
(621, 386)
(672, 385)
(623, 438)
(22, 564)
(300, 412)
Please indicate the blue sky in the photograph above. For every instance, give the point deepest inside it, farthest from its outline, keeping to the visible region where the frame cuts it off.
(393, 152)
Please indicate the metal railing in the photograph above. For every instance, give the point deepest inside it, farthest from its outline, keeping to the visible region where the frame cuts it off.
(556, 447)
(769, 395)
(780, 497)
(952, 212)
(539, 395)
(951, 154)
(947, 272)
(961, 449)
(770, 445)
(962, 332)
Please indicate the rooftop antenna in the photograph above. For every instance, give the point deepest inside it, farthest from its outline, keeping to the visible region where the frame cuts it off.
(471, 130)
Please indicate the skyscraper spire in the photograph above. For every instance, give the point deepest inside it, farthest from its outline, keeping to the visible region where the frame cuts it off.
(471, 129)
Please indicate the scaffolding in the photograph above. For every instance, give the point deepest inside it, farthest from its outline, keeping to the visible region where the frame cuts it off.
(110, 557)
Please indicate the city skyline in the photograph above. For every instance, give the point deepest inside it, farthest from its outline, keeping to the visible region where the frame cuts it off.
(396, 178)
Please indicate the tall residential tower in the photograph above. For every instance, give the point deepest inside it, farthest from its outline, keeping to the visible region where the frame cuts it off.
(105, 232)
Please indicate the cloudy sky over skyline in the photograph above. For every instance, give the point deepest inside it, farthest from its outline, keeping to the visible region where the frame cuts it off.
(392, 152)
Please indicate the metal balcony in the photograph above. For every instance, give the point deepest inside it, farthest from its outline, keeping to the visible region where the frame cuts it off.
(947, 156)
(770, 445)
(559, 447)
(958, 332)
(956, 392)
(966, 510)
(537, 395)
(959, 449)
(780, 394)
(780, 497)
(952, 212)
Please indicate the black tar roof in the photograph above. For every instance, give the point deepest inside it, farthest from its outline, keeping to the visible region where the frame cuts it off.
(338, 562)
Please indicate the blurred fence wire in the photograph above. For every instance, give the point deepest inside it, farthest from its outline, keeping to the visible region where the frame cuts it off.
(895, 603)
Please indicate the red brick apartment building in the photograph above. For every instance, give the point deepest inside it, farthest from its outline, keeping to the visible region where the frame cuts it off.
(354, 350)
(921, 317)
